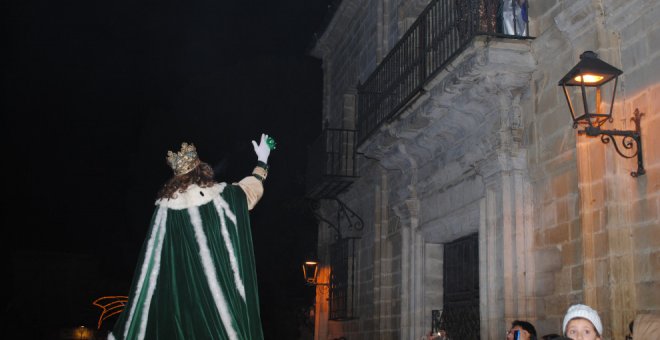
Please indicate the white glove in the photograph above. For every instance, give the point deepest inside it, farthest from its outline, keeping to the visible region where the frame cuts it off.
(262, 150)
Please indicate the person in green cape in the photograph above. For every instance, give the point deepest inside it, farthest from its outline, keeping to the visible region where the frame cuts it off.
(196, 278)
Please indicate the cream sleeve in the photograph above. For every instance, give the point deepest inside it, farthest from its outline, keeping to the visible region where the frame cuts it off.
(253, 189)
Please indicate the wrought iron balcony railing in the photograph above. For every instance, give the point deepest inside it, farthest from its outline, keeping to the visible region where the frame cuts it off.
(441, 32)
(331, 164)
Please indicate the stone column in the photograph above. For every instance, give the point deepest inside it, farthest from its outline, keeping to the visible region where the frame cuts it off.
(605, 189)
(505, 246)
(412, 270)
(380, 224)
(607, 243)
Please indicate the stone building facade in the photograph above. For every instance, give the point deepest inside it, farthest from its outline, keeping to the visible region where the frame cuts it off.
(485, 153)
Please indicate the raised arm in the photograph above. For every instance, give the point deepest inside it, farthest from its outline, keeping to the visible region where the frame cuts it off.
(253, 185)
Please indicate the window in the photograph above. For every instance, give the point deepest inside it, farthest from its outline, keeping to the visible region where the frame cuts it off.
(342, 279)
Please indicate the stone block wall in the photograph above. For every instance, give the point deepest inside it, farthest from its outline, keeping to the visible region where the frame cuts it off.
(592, 216)
(348, 54)
(363, 34)
(638, 216)
(560, 219)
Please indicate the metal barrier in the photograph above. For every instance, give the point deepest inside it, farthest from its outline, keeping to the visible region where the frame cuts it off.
(332, 163)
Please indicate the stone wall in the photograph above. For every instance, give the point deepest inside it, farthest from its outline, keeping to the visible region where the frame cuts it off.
(592, 215)
(489, 147)
(363, 32)
(348, 55)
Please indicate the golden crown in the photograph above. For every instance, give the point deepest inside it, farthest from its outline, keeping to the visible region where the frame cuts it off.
(183, 161)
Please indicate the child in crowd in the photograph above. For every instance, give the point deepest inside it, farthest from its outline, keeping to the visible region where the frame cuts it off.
(582, 323)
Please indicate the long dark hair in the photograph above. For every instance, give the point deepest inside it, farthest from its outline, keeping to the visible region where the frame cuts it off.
(202, 175)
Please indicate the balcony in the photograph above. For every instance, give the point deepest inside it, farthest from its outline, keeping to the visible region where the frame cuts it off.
(331, 165)
(441, 32)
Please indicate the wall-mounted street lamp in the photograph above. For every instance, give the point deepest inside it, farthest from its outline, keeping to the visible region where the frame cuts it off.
(311, 271)
(82, 332)
(590, 75)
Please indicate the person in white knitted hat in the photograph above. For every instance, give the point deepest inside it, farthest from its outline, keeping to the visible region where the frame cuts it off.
(582, 322)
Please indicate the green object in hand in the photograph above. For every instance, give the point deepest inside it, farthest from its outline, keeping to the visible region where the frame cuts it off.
(271, 143)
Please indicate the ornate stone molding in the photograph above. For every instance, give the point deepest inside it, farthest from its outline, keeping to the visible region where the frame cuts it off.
(408, 213)
(466, 113)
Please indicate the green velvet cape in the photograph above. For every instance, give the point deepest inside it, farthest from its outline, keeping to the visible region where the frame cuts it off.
(196, 277)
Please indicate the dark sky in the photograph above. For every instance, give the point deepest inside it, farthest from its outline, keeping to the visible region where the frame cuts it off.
(95, 93)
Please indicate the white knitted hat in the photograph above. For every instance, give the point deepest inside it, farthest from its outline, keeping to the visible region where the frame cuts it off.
(585, 312)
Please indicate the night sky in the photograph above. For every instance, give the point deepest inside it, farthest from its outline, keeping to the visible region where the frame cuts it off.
(95, 93)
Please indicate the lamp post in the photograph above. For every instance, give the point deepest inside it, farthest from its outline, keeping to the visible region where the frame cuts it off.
(590, 75)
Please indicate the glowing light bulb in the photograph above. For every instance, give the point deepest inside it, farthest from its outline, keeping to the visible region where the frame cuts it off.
(589, 78)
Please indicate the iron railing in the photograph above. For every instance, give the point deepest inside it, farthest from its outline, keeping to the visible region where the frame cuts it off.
(331, 163)
(441, 32)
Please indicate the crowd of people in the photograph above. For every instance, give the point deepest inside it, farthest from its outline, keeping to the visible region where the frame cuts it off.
(582, 322)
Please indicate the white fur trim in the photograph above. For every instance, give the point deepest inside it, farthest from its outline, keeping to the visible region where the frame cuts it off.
(223, 209)
(194, 196)
(110, 336)
(161, 218)
(153, 277)
(211, 274)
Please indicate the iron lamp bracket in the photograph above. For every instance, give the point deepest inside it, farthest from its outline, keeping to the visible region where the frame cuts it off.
(627, 143)
(351, 220)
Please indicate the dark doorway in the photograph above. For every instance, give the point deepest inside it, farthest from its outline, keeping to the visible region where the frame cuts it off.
(461, 288)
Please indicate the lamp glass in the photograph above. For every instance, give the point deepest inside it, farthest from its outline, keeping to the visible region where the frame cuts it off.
(588, 77)
(310, 270)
